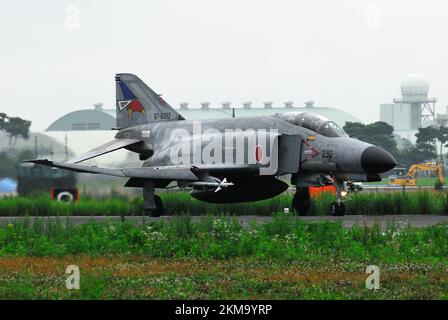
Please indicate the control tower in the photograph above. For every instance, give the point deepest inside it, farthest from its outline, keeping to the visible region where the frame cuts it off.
(414, 109)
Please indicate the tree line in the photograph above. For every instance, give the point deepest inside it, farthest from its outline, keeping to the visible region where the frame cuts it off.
(14, 127)
(380, 133)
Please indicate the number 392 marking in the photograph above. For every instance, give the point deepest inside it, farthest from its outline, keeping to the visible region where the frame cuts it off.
(327, 153)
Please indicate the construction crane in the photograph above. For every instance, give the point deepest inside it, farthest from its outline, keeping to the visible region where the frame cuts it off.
(409, 179)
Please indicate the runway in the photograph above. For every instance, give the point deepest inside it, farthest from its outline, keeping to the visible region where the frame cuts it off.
(347, 221)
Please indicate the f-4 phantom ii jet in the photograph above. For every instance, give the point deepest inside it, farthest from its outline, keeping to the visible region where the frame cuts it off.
(233, 159)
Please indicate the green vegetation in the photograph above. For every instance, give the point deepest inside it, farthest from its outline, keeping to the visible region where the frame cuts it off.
(382, 134)
(140, 277)
(378, 133)
(14, 127)
(222, 238)
(217, 258)
(178, 203)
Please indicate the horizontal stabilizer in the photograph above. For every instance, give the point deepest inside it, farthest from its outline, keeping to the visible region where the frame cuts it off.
(105, 148)
(78, 168)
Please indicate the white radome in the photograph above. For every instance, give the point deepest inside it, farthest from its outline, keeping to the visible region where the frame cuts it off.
(414, 84)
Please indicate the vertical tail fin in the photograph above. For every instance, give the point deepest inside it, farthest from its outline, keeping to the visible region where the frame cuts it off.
(139, 104)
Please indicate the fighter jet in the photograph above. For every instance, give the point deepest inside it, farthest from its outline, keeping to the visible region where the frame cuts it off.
(230, 160)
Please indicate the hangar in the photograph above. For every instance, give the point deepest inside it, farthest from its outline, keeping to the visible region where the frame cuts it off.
(100, 118)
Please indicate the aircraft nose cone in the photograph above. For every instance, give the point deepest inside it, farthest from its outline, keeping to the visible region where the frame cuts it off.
(377, 160)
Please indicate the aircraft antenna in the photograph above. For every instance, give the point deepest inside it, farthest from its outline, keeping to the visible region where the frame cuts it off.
(35, 147)
(66, 147)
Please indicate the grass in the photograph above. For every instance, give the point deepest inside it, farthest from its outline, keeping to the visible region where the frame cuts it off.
(284, 238)
(180, 203)
(217, 258)
(139, 277)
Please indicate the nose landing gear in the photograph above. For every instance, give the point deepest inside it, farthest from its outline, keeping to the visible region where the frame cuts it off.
(338, 208)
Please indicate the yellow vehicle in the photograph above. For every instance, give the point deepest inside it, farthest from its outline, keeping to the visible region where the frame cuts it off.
(409, 179)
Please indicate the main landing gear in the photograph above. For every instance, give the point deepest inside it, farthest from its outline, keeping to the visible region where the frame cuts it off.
(159, 210)
(152, 204)
(302, 201)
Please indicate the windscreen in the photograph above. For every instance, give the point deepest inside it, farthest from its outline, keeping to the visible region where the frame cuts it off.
(331, 129)
(313, 122)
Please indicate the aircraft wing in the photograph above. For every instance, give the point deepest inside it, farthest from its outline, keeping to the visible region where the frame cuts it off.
(181, 172)
(174, 172)
(105, 148)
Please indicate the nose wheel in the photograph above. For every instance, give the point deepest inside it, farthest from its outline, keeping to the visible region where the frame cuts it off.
(338, 208)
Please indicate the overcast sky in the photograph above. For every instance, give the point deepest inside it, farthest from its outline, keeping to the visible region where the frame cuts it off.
(59, 56)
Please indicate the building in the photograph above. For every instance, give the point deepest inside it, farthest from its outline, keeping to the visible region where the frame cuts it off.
(99, 118)
(75, 129)
(413, 110)
(442, 118)
(86, 119)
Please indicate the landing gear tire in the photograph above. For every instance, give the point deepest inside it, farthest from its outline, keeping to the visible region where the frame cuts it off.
(159, 210)
(337, 209)
(302, 201)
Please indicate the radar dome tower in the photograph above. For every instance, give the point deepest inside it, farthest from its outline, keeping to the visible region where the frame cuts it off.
(414, 91)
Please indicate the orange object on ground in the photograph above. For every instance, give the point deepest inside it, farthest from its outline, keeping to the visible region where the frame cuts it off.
(316, 191)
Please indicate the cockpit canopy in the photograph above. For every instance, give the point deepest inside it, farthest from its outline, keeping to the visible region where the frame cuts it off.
(313, 122)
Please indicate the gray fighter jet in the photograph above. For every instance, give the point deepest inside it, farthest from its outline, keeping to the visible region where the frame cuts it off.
(230, 160)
